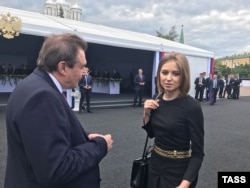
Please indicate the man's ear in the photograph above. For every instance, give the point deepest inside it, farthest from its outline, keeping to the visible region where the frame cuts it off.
(61, 67)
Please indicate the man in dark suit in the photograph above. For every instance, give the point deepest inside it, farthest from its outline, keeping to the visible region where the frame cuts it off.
(207, 85)
(214, 86)
(85, 85)
(47, 145)
(239, 80)
(235, 87)
(139, 83)
(228, 87)
(200, 83)
(115, 74)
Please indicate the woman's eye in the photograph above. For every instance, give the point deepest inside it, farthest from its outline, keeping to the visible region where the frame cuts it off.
(172, 73)
(164, 72)
(176, 73)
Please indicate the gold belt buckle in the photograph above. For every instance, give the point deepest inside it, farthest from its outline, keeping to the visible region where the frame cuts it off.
(175, 153)
(172, 154)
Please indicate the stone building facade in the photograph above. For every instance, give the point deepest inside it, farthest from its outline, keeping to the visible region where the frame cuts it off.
(55, 8)
(235, 60)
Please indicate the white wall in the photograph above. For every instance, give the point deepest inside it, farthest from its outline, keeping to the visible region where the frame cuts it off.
(245, 83)
(197, 66)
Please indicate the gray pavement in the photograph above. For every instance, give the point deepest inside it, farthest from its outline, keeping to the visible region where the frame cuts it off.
(227, 140)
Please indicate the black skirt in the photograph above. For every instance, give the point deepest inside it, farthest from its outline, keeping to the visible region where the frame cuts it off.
(166, 172)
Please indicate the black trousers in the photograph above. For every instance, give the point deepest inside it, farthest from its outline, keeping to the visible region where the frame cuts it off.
(227, 90)
(138, 93)
(221, 92)
(87, 93)
(213, 95)
(167, 173)
(235, 94)
(199, 93)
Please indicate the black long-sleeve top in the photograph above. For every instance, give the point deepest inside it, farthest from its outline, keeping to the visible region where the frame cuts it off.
(179, 125)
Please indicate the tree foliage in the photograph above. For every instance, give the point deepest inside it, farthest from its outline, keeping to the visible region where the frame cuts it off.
(242, 70)
(171, 35)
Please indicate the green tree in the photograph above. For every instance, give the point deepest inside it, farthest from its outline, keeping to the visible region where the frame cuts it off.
(242, 70)
(172, 34)
(223, 69)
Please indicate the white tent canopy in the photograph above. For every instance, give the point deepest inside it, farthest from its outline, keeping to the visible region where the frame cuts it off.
(38, 24)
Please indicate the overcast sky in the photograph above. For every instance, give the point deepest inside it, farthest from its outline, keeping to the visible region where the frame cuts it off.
(222, 27)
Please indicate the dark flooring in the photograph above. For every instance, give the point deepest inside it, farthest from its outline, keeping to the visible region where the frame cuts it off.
(98, 100)
(227, 140)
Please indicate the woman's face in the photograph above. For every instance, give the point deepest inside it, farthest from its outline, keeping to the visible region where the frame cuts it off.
(170, 77)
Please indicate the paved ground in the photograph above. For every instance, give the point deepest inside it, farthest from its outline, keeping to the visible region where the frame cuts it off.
(227, 140)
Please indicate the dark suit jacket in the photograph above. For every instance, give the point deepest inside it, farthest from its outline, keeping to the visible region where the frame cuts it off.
(207, 82)
(47, 146)
(137, 81)
(83, 82)
(211, 84)
(196, 82)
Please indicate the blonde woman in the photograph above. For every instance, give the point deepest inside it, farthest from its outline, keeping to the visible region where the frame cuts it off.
(176, 122)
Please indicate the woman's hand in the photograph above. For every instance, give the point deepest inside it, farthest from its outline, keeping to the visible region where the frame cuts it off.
(149, 105)
(184, 184)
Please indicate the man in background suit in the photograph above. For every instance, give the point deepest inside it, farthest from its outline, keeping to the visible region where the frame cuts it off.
(207, 85)
(47, 145)
(85, 85)
(239, 80)
(139, 83)
(214, 86)
(200, 83)
(235, 87)
(228, 86)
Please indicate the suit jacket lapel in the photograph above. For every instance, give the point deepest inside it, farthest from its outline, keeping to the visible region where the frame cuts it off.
(45, 76)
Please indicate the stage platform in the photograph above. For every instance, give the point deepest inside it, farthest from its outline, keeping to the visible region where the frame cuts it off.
(98, 100)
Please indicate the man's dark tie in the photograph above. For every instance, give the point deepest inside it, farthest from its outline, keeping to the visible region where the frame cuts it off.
(64, 95)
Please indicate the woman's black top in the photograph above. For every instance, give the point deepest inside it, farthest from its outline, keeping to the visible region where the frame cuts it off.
(179, 125)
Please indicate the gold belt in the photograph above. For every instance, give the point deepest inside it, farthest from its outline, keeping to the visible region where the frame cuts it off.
(172, 154)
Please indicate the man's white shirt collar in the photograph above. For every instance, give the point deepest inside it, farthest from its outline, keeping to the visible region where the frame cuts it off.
(58, 85)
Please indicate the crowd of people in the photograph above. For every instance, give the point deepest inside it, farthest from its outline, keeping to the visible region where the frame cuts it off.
(10, 69)
(114, 74)
(69, 156)
(217, 86)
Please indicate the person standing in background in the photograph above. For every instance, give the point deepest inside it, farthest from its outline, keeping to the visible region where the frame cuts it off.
(85, 85)
(95, 74)
(207, 85)
(175, 121)
(116, 74)
(239, 80)
(139, 84)
(228, 86)
(106, 74)
(199, 87)
(235, 87)
(221, 85)
(214, 85)
(47, 145)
